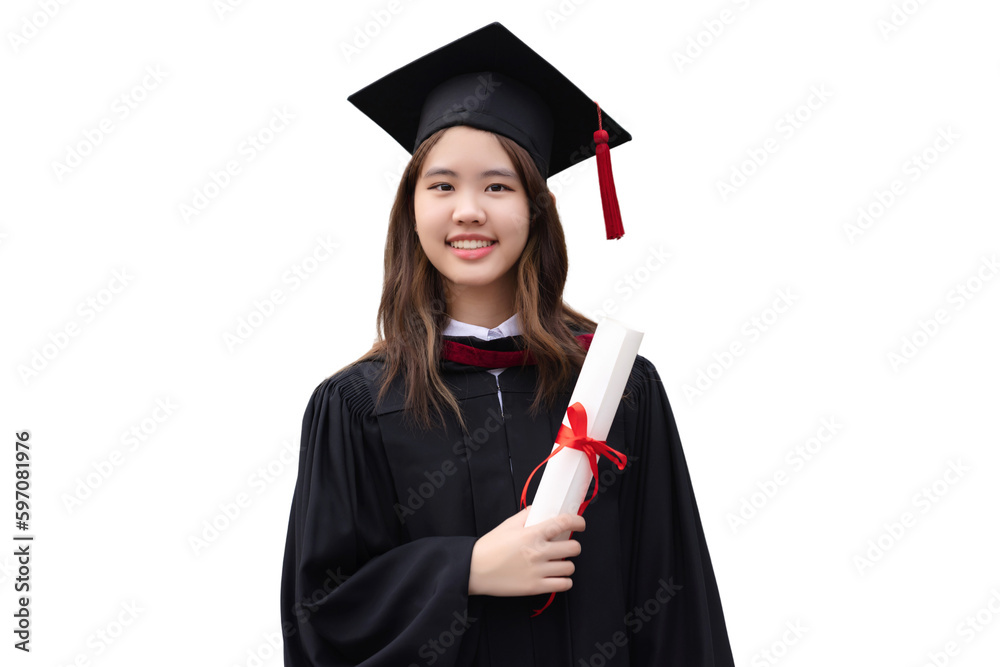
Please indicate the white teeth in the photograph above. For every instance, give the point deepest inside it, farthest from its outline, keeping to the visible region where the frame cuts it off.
(469, 245)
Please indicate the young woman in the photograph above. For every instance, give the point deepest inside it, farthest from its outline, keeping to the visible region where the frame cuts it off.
(405, 544)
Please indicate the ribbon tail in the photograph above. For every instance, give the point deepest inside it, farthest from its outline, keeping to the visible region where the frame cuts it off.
(527, 483)
(552, 596)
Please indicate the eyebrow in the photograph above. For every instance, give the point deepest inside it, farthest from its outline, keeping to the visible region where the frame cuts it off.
(489, 173)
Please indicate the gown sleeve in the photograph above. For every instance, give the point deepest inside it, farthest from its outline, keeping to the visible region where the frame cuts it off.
(353, 592)
(675, 613)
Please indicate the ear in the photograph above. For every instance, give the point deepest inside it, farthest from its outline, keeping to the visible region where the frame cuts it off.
(532, 216)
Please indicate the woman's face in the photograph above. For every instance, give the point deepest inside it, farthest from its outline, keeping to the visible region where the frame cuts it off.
(471, 209)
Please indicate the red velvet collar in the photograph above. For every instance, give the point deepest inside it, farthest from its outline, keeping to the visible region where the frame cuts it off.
(473, 356)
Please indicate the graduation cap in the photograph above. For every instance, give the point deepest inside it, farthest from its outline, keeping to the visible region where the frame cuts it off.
(491, 80)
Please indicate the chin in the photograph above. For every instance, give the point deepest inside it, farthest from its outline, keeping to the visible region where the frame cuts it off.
(466, 280)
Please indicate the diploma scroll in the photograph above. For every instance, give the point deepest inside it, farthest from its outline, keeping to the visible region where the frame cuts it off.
(599, 387)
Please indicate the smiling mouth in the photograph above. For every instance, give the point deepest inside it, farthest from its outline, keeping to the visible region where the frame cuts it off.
(470, 245)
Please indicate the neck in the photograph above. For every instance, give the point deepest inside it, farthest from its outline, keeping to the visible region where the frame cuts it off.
(483, 305)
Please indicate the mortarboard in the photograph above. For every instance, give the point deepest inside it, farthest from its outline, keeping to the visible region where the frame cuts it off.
(491, 80)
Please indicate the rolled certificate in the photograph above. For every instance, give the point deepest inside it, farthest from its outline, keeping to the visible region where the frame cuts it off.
(598, 389)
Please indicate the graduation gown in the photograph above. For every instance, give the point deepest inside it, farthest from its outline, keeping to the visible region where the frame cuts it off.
(384, 517)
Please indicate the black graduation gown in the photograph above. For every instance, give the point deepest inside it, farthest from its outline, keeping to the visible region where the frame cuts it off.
(384, 518)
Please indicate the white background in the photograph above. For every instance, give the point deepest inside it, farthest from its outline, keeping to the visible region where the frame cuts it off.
(330, 173)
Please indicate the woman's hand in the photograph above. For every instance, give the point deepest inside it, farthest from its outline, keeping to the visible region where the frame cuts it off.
(513, 560)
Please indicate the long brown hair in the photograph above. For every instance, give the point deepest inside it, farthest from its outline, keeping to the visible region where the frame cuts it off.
(413, 310)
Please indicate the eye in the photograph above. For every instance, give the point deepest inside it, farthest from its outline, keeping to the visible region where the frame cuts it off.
(441, 185)
(498, 185)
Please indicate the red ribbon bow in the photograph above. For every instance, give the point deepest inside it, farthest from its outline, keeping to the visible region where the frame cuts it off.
(575, 437)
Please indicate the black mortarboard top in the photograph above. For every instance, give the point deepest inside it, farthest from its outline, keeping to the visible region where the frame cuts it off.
(491, 80)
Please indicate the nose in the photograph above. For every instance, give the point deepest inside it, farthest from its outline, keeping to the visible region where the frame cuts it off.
(468, 208)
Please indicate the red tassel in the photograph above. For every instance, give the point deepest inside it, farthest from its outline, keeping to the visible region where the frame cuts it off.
(609, 198)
